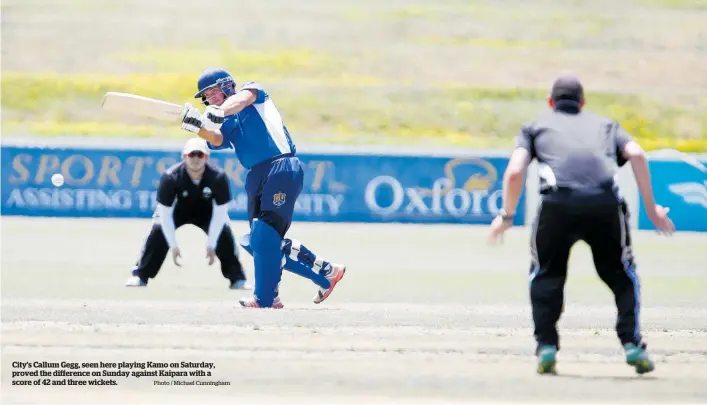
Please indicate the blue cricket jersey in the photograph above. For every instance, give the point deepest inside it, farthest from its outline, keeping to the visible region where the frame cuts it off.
(257, 133)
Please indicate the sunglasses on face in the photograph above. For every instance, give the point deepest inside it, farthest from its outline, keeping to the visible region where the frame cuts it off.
(199, 155)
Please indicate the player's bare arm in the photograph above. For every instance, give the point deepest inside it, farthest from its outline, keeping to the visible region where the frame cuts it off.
(232, 105)
(214, 136)
(219, 216)
(166, 214)
(633, 152)
(237, 102)
(514, 178)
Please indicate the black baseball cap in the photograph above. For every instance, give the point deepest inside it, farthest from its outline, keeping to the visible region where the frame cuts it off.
(567, 87)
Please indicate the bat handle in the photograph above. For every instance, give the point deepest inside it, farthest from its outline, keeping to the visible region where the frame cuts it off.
(185, 110)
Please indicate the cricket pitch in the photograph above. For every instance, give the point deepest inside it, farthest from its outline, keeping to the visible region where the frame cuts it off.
(425, 314)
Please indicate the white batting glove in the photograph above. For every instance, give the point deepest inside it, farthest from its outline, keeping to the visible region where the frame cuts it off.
(213, 118)
(192, 120)
(185, 110)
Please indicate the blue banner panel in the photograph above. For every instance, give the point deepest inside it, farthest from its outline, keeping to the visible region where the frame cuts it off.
(347, 188)
(683, 188)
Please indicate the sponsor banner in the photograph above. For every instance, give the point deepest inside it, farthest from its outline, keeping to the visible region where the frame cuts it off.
(350, 188)
(683, 188)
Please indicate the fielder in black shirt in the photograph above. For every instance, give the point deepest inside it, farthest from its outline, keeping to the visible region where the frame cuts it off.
(578, 155)
(197, 193)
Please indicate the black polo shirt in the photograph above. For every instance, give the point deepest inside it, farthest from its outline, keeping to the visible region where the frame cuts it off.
(578, 155)
(194, 201)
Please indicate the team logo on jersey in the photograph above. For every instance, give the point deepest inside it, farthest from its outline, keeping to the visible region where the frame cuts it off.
(207, 192)
(278, 199)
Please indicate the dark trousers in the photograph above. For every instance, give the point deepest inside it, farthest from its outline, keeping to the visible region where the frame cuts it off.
(606, 230)
(155, 249)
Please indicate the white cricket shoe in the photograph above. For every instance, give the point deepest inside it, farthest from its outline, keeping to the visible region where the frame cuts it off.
(334, 276)
(241, 285)
(252, 302)
(135, 281)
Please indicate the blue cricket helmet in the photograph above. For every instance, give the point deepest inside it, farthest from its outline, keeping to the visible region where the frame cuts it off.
(215, 77)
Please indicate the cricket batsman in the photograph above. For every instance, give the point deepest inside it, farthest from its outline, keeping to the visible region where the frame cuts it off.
(248, 122)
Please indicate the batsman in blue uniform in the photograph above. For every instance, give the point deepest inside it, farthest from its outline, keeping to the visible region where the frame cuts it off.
(248, 122)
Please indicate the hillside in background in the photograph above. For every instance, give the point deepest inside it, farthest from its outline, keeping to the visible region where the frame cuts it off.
(417, 71)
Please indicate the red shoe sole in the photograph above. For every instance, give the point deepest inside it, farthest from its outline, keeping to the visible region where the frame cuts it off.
(333, 284)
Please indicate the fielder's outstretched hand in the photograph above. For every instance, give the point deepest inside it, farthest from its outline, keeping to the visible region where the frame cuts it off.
(176, 254)
(659, 218)
(211, 255)
(498, 227)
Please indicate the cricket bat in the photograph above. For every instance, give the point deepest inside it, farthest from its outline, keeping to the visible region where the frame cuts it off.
(133, 104)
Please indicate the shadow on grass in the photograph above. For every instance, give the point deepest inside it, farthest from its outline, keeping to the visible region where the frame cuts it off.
(586, 377)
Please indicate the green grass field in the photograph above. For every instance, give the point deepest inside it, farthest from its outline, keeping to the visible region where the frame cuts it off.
(462, 73)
